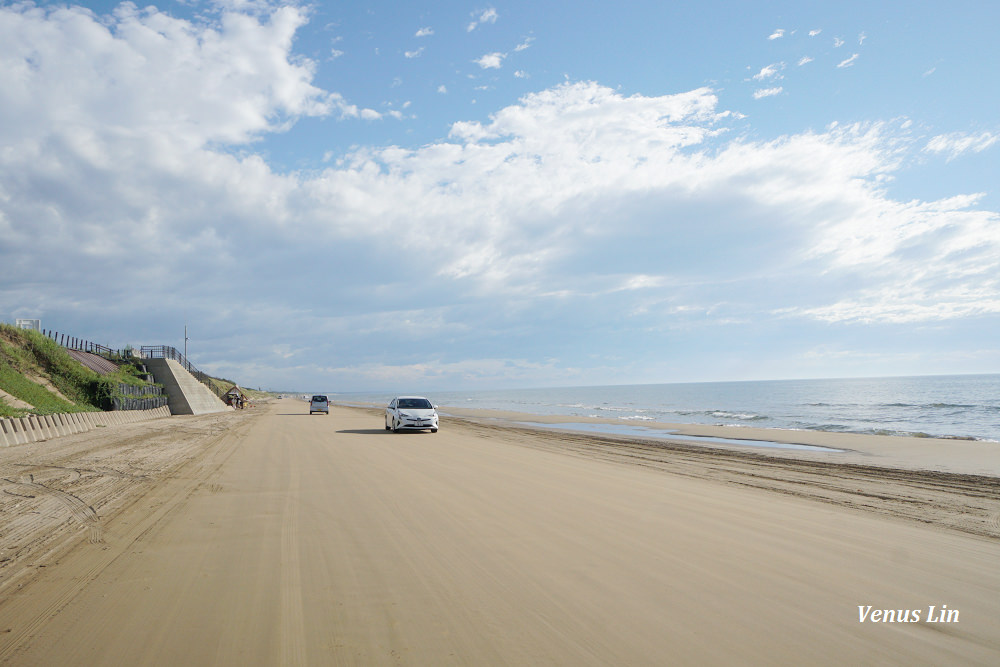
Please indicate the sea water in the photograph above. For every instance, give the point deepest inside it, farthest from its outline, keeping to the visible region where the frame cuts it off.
(955, 406)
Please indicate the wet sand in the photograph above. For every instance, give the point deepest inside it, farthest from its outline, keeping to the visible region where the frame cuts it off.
(273, 537)
(931, 454)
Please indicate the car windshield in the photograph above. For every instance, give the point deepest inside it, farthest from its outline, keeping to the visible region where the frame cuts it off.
(415, 403)
(319, 399)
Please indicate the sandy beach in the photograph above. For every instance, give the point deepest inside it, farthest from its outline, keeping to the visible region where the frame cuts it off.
(270, 536)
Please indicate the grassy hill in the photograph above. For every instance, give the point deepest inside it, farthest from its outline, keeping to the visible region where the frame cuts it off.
(37, 376)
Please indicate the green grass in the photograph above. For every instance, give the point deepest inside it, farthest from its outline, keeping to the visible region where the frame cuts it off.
(28, 354)
(18, 386)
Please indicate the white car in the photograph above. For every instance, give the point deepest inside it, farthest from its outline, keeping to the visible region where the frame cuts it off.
(410, 413)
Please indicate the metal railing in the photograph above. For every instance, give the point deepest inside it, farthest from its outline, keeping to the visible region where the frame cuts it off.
(73, 343)
(170, 352)
(166, 352)
(130, 397)
(146, 351)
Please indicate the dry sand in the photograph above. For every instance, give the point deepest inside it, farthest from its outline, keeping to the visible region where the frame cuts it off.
(272, 537)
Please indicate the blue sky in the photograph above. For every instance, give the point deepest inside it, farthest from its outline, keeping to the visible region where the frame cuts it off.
(451, 195)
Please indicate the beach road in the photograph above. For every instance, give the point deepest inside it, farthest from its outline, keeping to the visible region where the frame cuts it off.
(273, 537)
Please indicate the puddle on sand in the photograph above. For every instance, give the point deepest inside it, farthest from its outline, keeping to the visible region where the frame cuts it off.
(642, 431)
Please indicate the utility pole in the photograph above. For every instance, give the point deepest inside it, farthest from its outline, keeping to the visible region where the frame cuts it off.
(185, 343)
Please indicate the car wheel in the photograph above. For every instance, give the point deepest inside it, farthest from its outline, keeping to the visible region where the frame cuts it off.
(387, 427)
(395, 427)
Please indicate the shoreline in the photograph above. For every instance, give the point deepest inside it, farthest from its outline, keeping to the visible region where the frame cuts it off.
(929, 482)
(941, 408)
(968, 457)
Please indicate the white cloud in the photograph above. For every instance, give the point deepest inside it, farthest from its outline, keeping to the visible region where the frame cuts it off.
(491, 60)
(777, 34)
(767, 92)
(336, 53)
(848, 62)
(837, 42)
(442, 89)
(416, 53)
(861, 38)
(909, 304)
(804, 60)
(479, 18)
(424, 32)
(156, 75)
(521, 74)
(958, 143)
(127, 151)
(526, 44)
(641, 281)
(769, 72)
(813, 33)
(468, 372)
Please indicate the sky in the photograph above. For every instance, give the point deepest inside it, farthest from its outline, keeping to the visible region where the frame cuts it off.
(430, 196)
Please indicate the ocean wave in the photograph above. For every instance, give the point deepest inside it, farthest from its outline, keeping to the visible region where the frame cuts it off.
(914, 407)
(832, 428)
(614, 408)
(936, 406)
(644, 418)
(722, 414)
(741, 416)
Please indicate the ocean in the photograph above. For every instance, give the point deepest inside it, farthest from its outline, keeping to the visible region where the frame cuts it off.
(952, 406)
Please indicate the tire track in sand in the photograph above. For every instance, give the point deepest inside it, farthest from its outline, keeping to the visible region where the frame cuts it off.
(79, 509)
(21, 615)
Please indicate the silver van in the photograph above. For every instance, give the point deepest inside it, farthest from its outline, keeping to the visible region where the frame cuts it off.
(319, 403)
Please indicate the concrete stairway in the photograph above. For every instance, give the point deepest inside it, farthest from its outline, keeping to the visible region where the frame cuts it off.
(185, 395)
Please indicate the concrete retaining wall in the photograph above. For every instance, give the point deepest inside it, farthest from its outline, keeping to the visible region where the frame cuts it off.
(22, 430)
(186, 394)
